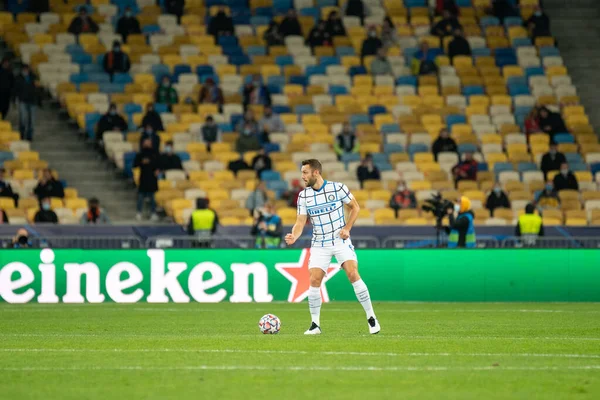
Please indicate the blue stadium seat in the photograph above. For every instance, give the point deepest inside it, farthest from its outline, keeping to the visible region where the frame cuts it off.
(549, 52)
(512, 21)
(5, 156)
(594, 168)
(350, 157)
(481, 52)
(329, 60)
(390, 128)
(78, 78)
(335, 90)
(161, 108)
(270, 176)
(517, 90)
(455, 119)
(357, 70)
(304, 109)
(359, 119)
(527, 166)
(377, 109)
(205, 70)
(276, 80)
(278, 187)
(414, 148)
(284, 60)
(574, 158)
(159, 71)
(534, 71)
(299, 80)
(484, 22)
(279, 109)
(380, 157)
(264, 11)
(483, 167)
(503, 166)
(473, 90)
(393, 148)
(122, 78)
(91, 68)
(564, 138)
(91, 119)
(467, 148)
(256, 51)
(578, 167)
(99, 77)
(407, 80)
(226, 41)
(111, 87)
(132, 108)
(311, 12)
(271, 147)
(345, 51)
(384, 166)
(81, 58)
(315, 70)
(239, 60)
(184, 155)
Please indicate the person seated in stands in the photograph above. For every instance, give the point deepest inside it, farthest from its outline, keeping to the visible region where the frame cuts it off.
(446, 26)
(37, 7)
(203, 223)
(319, 36)
(335, 26)
(48, 186)
(371, 44)
(380, 64)
(83, 23)
(367, 170)
(175, 7)
(111, 121)
(272, 37)
(443, 143)
(256, 92)
(6, 189)
(273, 120)
(290, 25)
(249, 120)
(402, 198)
(95, 214)
(211, 93)
(150, 134)
(548, 198)
(389, 34)
(552, 160)
(267, 228)
(248, 139)
(116, 61)
(446, 5)
(45, 214)
(238, 165)
(210, 132)
(551, 122)
(264, 135)
(166, 93)
(258, 198)
(423, 62)
(465, 170)
(169, 160)
(458, 46)
(261, 162)
(356, 8)
(532, 122)
(346, 142)
(291, 196)
(152, 118)
(566, 179)
(497, 199)
(128, 24)
(148, 163)
(502, 9)
(538, 24)
(221, 24)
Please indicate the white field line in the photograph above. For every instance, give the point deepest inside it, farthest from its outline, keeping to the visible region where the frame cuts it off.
(302, 352)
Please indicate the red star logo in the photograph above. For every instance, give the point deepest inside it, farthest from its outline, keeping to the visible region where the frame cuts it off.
(297, 273)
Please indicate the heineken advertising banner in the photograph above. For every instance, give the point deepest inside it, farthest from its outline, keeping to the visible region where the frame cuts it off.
(208, 276)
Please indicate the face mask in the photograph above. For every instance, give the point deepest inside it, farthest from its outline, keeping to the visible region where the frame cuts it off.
(117, 49)
(564, 171)
(46, 206)
(168, 149)
(150, 109)
(401, 188)
(165, 84)
(552, 151)
(113, 112)
(549, 188)
(538, 13)
(247, 132)
(149, 131)
(456, 208)
(373, 34)
(266, 215)
(25, 73)
(497, 190)
(128, 14)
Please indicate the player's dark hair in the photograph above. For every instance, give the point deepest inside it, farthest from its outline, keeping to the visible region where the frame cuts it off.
(314, 164)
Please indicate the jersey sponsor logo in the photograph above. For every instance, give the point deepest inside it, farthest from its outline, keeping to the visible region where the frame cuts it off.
(318, 210)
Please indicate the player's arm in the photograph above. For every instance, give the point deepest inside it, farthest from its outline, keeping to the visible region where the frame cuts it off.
(354, 209)
(291, 238)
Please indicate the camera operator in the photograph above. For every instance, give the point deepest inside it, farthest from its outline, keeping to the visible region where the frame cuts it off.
(461, 229)
(21, 240)
(267, 228)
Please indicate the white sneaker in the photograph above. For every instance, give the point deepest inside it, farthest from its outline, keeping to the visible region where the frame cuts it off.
(374, 327)
(154, 217)
(313, 330)
(138, 216)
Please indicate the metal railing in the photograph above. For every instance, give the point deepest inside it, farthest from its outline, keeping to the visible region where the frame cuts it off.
(80, 242)
(431, 242)
(564, 242)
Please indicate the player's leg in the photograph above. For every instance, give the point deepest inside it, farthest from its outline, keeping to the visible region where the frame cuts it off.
(320, 258)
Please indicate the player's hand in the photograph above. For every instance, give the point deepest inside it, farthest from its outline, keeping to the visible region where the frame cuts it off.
(290, 239)
(345, 233)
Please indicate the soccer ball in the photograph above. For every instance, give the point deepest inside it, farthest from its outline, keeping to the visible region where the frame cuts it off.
(269, 324)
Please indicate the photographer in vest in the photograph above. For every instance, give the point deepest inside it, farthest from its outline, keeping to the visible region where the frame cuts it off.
(267, 228)
(530, 226)
(203, 223)
(461, 229)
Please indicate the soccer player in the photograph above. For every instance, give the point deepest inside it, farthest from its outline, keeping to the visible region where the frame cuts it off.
(324, 202)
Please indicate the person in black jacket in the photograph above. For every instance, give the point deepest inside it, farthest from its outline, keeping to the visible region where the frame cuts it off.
(497, 199)
(150, 134)
(7, 85)
(538, 24)
(175, 7)
(48, 186)
(111, 121)
(116, 61)
(256, 92)
(551, 122)
(6, 190)
(83, 23)
(319, 36)
(148, 163)
(170, 160)
(335, 26)
(221, 24)
(443, 143)
(566, 179)
(356, 8)
(39, 6)
(26, 93)
(446, 26)
(367, 170)
(502, 9)
(459, 46)
(128, 24)
(272, 36)
(45, 214)
(152, 118)
(371, 44)
(290, 26)
(261, 162)
(552, 160)
(238, 165)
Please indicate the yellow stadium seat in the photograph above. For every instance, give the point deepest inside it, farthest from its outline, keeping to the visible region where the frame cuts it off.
(74, 204)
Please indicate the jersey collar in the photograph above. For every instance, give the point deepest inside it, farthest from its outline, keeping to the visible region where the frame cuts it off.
(322, 186)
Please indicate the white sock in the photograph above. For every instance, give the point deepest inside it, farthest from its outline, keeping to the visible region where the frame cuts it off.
(362, 294)
(314, 304)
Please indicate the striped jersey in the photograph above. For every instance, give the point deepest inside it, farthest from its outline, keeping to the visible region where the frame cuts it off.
(325, 207)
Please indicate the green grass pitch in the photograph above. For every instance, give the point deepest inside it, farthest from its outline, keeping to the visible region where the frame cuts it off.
(193, 351)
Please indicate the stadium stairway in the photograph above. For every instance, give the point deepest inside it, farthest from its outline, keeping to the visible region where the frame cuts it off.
(575, 25)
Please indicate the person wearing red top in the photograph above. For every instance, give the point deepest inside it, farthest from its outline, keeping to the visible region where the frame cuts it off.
(466, 169)
(402, 198)
(532, 122)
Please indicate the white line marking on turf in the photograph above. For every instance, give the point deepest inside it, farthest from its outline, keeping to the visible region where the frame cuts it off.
(301, 352)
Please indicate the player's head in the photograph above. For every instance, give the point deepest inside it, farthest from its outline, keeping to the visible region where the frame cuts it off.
(311, 171)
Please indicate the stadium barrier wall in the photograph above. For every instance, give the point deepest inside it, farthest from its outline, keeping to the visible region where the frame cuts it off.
(161, 276)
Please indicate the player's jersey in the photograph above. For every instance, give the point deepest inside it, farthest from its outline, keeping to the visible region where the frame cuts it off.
(325, 207)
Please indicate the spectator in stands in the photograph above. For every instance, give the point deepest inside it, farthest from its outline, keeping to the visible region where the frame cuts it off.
(380, 64)
(148, 163)
(346, 142)
(175, 7)
(267, 228)
(371, 44)
(423, 62)
(249, 120)
(203, 223)
(446, 26)
(548, 198)
(27, 97)
(152, 118)
(166, 93)
(83, 23)
(111, 121)
(210, 132)
(566, 179)
(530, 226)
(7, 85)
(443, 143)
(551, 122)
(169, 160)
(258, 198)
(458, 46)
(221, 24)
(367, 170)
(446, 5)
(261, 162)
(150, 134)
(497, 199)
(95, 214)
(402, 198)
(502, 9)
(256, 92)
(248, 139)
(355, 8)
(3, 217)
(238, 165)
(290, 26)
(335, 26)
(48, 186)
(552, 160)
(538, 24)
(319, 36)
(389, 34)
(291, 196)
(21, 240)
(39, 6)
(466, 169)
(45, 214)
(271, 121)
(272, 36)
(532, 122)
(128, 24)
(6, 189)
(116, 61)
(211, 94)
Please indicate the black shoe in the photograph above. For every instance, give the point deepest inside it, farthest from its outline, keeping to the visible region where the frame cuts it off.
(374, 327)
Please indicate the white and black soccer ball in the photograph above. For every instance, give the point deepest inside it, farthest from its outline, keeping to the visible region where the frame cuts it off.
(269, 324)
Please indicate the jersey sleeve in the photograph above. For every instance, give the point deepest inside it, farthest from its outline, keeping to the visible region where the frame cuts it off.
(344, 194)
(302, 204)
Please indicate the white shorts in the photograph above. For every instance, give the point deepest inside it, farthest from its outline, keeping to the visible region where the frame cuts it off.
(320, 257)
